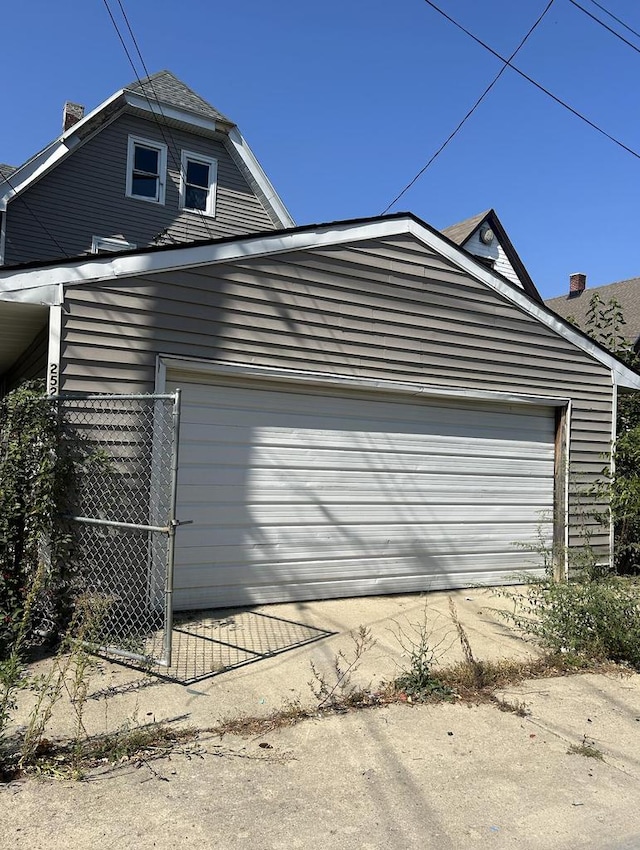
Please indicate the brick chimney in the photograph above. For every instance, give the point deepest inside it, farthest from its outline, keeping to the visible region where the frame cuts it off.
(71, 114)
(577, 284)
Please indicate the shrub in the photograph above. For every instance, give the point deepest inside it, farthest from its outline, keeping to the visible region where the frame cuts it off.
(595, 618)
(36, 474)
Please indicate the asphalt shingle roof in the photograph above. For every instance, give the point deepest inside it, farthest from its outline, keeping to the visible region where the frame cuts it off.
(460, 232)
(625, 292)
(6, 170)
(170, 90)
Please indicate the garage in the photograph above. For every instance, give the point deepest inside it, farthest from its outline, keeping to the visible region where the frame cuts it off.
(297, 492)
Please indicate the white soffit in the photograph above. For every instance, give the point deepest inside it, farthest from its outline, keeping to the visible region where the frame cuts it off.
(86, 271)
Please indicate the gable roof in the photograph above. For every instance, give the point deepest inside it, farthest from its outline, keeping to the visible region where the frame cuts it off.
(39, 283)
(7, 170)
(167, 88)
(166, 97)
(459, 233)
(626, 292)
(462, 232)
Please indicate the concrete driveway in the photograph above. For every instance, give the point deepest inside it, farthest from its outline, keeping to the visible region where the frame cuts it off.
(441, 776)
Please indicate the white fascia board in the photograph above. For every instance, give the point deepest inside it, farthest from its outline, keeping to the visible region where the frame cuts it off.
(164, 110)
(85, 271)
(47, 295)
(248, 159)
(51, 155)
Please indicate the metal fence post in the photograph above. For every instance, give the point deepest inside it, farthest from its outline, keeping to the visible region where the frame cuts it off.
(172, 525)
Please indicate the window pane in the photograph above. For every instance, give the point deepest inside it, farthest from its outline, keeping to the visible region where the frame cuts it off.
(198, 174)
(144, 185)
(196, 199)
(146, 159)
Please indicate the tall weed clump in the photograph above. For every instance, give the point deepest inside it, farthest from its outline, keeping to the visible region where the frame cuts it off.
(36, 482)
(593, 617)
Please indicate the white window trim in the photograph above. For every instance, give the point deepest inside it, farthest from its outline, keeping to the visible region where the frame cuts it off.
(213, 181)
(162, 169)
(110, 243)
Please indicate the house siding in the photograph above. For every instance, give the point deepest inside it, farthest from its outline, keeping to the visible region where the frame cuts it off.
(474, 245)
(84, 196)
(385, 309)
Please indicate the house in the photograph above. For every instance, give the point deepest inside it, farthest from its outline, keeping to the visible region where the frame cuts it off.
(485, 238)
(366, 406)
(574, 306)
(153, 164)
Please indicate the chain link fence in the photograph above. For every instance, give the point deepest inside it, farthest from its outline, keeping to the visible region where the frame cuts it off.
(124, 516)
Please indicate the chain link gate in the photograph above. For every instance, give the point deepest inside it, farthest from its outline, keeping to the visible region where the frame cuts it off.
(124, 516)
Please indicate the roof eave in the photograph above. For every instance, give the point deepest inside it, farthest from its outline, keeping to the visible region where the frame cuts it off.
(95, 269)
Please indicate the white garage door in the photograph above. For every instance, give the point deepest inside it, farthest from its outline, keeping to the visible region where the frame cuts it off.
(299, 495)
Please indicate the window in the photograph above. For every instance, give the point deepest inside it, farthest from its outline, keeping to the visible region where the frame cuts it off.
(198, 183)
(146, 170)
(110, 243)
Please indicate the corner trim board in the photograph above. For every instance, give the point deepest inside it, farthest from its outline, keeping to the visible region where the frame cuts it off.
(54, 349)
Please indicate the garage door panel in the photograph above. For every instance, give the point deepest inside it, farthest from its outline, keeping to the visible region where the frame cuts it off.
(344, 440)
(296, 495)
(495, 571)
(291, 409)
(339, 488)
(400, 518)
(348, 544)
(360, 568)
(253, 458)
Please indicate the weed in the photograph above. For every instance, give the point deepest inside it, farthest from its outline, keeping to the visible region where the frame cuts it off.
(587, 749)
(596, 618)
(70, 672)
(338, 689)
(417, 681)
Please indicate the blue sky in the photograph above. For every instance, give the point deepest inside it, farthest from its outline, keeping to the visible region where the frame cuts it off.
(343, 102)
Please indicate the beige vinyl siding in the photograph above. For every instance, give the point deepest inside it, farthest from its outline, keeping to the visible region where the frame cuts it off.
(85, 196)
(386, 309)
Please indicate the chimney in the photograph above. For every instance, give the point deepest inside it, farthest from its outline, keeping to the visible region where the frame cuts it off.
(577, 284)
(71, 114)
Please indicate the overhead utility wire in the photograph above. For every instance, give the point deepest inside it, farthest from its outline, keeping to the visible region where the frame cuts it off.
(602, 24)
(536, 84)
(619, 20)
(452, 135)
(146, 96)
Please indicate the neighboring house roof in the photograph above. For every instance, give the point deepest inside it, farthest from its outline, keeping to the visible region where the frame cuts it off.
(459, 233)
(575, 306)
(503, 255)
(7, 170)
(170, 100)
(38, 283)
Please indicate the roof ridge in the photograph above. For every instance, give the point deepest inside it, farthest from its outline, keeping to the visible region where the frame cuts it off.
(176, 92)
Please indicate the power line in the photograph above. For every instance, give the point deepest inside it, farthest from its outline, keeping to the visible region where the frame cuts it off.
(619, 20)
(533, 82)
(177, 165)
(605, 26)
(469, 113)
